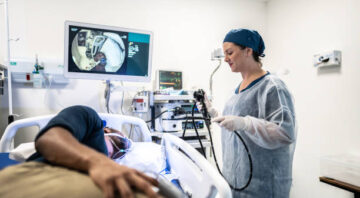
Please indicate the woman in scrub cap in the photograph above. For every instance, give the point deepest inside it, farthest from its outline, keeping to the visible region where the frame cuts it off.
(262, 111)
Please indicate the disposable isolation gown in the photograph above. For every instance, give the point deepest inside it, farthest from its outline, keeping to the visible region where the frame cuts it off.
(270, 139)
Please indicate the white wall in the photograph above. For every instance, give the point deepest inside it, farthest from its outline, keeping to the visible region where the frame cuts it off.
(326, 101)
(185, 33)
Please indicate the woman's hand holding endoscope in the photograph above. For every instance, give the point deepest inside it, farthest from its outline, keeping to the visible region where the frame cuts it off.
(212, 111)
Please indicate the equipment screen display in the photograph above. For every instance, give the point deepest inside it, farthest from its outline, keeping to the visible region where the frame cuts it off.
(108, 53)
(170, 79)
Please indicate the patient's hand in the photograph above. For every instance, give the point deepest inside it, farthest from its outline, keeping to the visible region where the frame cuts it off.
(60, 147)
(111, 177)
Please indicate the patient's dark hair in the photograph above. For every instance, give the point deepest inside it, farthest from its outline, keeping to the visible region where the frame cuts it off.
(118, 143)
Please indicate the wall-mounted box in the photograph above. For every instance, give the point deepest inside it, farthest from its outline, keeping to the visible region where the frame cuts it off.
(21, 71)
(328, 59)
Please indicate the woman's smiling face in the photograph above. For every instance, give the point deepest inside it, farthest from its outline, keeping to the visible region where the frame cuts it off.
(235, 56)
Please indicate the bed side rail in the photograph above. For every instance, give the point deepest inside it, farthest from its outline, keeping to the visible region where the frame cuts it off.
(113, 120)
(194, 170)
(116, 121)
(11, 129)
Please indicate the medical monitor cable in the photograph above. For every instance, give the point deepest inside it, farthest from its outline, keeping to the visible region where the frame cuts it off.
(197, 133)
(185, 127)
(187, 120)
(181, 110)
(169, 110)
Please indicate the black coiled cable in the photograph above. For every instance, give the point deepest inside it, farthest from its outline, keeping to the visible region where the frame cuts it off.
(213, 150)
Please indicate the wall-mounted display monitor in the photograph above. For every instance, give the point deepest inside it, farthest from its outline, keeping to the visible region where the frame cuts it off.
(107, 53)
(170, 79)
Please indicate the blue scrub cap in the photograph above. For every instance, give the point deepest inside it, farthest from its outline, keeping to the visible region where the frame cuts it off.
(247, 38)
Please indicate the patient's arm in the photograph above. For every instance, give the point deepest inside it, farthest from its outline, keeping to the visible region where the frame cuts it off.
(60, 147)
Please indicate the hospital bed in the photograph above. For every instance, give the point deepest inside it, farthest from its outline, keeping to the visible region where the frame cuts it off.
(194, 173)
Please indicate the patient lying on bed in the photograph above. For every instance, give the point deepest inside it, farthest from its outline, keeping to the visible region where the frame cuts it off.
(72, 160)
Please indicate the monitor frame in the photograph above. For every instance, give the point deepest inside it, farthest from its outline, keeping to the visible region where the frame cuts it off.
(103, 76)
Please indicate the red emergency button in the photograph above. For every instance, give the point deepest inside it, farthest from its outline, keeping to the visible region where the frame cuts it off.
(27, 76)
(139, 100)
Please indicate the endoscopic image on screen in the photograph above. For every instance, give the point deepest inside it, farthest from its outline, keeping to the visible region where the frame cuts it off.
(98, 51)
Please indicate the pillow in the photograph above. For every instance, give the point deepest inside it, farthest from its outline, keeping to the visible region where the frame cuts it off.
(147, 157)
(22, 152)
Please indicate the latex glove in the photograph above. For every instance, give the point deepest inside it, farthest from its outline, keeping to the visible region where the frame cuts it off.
(233, 123)
(212, 111)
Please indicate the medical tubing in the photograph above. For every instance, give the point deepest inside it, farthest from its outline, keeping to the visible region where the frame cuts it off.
(107, 96)
(250, 164)
(205, 113)
(152, 124)
(186, 121)
(197, 133)
(122, 103)
(213, 150)
(159, 115)
(122, 99)
(183, 135)
(217, 165)
(211, 78)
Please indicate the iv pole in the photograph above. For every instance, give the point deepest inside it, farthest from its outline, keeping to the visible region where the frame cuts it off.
(7, 61)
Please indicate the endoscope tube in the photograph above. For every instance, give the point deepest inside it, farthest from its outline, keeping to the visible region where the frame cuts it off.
(207, 122)
(197, 133)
